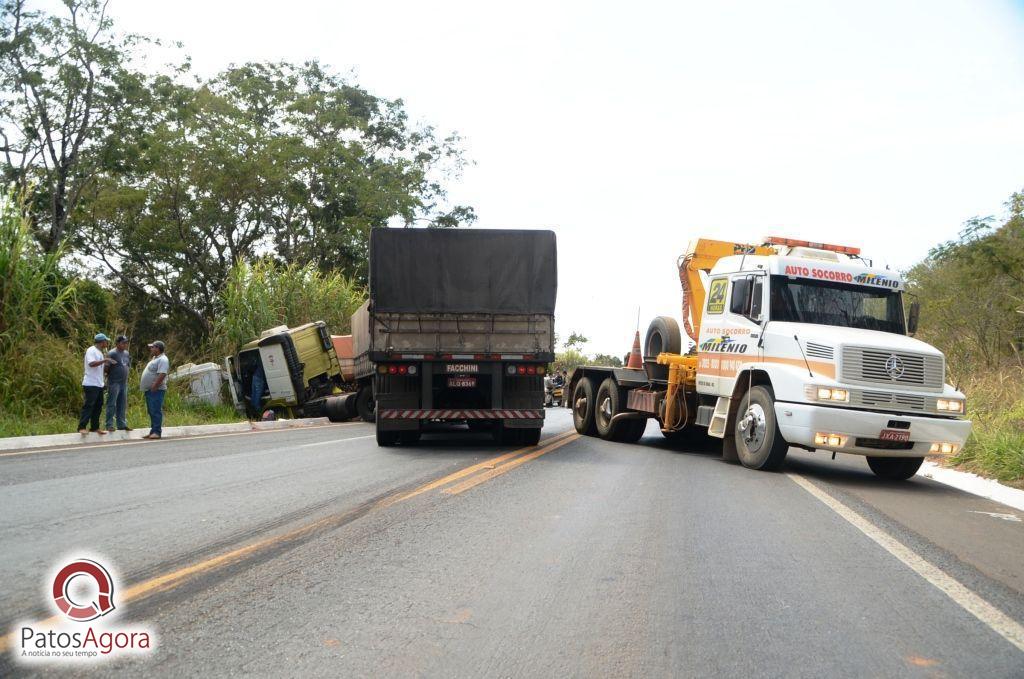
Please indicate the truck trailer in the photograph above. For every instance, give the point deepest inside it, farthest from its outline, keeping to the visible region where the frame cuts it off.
(796, 344)
(458, 329)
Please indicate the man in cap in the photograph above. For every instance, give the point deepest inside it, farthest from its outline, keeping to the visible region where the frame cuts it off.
(92, 385)
(154, 387)
(117, 384)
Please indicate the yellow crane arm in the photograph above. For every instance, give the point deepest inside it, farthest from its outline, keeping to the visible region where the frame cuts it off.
(702, 255)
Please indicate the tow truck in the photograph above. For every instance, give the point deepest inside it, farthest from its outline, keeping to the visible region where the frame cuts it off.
(795, 344)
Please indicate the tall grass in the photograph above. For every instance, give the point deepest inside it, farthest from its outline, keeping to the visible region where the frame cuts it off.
(995, 400)
(35, 368)
(265, 294)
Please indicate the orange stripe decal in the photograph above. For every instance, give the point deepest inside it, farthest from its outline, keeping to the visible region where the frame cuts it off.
(727, 364)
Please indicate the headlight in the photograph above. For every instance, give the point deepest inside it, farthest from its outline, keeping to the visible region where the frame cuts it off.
(943, 449)
(950, 405)
(828, 394)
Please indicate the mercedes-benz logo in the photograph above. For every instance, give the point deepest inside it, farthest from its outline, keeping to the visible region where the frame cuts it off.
(894, 366)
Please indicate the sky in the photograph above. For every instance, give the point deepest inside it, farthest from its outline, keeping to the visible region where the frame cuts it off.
(631, 128)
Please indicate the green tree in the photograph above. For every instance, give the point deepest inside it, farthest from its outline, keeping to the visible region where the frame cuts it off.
(68, 101)
(576, 341)
(972, 292)
(264, 159)
(605, 359)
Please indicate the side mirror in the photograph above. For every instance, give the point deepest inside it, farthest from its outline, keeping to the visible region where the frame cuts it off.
(913, 317)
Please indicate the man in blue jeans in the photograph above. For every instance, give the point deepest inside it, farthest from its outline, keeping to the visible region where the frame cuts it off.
(117, 384)
(154, 387)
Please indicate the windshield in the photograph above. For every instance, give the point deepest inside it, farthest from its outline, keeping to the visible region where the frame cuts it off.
(800, 300)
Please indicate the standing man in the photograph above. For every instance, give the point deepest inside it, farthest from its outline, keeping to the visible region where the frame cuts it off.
(117, 384)
(154, 387)
(92, 385)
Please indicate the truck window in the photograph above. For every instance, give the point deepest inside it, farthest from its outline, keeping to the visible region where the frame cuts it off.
(716, 295)
(739, 303)
(746, 296)
(801, 300)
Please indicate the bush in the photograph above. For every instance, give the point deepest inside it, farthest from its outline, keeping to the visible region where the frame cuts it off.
(996, 405)
(265, 294)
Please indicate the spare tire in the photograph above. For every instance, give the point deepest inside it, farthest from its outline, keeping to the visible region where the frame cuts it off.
(663, 336)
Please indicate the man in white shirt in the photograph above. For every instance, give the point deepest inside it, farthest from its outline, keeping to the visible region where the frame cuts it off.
(92, 385)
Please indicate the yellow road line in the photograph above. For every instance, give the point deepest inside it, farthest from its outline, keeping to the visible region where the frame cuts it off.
(169, 580)
(508, 466)
(484, 466)
(85, 447)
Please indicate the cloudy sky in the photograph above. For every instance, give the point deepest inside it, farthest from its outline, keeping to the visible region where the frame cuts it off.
(630, 128)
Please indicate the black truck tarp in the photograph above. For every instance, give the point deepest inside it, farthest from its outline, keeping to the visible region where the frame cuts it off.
(494, 271)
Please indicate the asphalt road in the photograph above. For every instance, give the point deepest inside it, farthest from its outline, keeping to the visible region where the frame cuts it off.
(314, 553)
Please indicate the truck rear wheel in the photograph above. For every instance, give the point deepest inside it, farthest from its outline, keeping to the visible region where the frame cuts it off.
(531, 437)
(386, 439)
(609, 404)
(895, 468)
(582, 404)
(759, 442)
(365, 404)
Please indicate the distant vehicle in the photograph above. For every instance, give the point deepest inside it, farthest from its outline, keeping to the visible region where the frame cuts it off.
(797, 344)
(459, 328)
(295, 370)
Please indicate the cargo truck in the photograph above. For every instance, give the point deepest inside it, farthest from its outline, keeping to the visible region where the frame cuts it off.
(458, 329)
(796, 344)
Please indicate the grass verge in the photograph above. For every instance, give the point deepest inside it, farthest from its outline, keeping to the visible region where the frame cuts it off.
(995, 402)
(177, 412)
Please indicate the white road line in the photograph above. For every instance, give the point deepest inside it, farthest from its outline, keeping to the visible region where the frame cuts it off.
(999, 622)
(324, 443)
(85, 447)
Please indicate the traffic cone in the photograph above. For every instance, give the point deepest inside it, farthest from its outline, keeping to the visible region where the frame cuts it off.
(636, 361)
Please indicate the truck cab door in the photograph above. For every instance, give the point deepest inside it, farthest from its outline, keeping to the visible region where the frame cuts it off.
(729, 338)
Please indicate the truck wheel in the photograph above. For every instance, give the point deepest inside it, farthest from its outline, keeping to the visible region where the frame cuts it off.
(365, 404)
(530, 437)
(895, 468)
(386, 439)
(631, 431)
(335, 409)
(758, 441)
(407, 438)
(609, 404)
(663, 336)
(582, 405)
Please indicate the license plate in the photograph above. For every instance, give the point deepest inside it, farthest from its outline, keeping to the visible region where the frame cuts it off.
(461, 382)
(895, 435)
(462, 368)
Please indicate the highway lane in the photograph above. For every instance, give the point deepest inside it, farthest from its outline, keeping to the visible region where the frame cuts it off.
(314, 552)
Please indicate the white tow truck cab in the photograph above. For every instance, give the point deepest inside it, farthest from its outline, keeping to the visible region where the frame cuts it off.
(797, 344)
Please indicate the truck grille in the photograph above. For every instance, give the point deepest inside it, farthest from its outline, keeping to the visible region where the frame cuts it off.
(887, 401)
(871, 365)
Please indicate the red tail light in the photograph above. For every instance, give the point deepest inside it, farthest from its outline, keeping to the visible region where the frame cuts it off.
(402, 369)
(521, 370)
(392, 370)
(531, 370)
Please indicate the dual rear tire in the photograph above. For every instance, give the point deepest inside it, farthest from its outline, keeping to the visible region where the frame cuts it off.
(594, 406)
